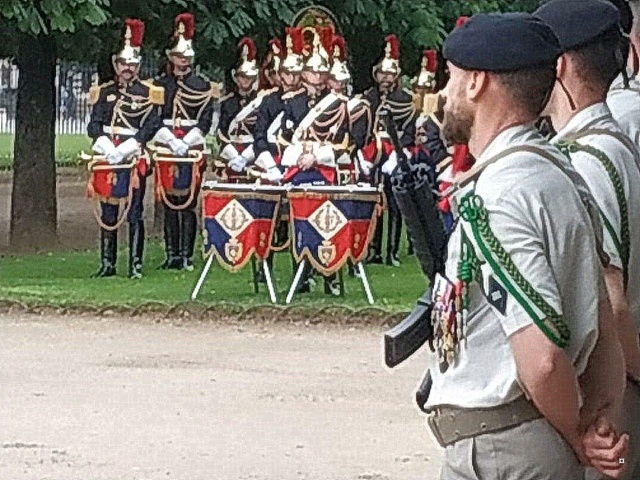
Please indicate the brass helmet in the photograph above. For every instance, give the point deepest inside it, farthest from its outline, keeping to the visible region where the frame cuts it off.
(293, 62)
(390, 63)
(318, 58)
(247, 60)
(339, 70)
(427, 76)
(133, 34)
(184, 28)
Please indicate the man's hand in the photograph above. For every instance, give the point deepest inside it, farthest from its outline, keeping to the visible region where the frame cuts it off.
(274, 174)
(306, 161)
(604, 448)
(390, 165)
(178, 147)
(114, 157)
(238, 164)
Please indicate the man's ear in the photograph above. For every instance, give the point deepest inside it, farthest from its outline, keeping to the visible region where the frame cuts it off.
(561, 66)
(477, 84)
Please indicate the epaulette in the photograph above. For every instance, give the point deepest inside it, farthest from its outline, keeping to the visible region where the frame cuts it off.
(430, 103)
(216, 88)
(156, 93)
(267, 91)
(289, 95)
(227, 96)
(342, 97)
(94, 91)
(408, 92)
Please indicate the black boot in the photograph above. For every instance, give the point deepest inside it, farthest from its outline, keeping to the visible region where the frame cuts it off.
(188, 238)
(375, 247)
(136, 249)
(108, 253)
(393, 238)
(332, 285)
(171, 240)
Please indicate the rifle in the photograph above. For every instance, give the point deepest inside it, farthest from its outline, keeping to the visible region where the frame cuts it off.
(421, 217)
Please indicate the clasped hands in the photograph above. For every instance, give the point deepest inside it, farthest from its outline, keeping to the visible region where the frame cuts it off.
(603, 448)
(307, 161)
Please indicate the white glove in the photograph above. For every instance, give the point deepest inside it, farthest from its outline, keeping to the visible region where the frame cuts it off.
(103, 145)
(265, 160)
(124, 150)
(114, 156)
(194, 137)
(249, 154)
(178, 147)
(390, 165)
(238, 164)
(164, 135)
(274, 175)
(365, 165)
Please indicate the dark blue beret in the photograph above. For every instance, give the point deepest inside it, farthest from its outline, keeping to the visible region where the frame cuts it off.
(501, 42)
(579, 22)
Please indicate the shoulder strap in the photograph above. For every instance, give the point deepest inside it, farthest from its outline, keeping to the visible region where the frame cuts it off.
(621, 137)
(623, 240)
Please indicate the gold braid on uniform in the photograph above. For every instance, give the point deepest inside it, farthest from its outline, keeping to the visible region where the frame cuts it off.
(473, 211)
(127, 100)
(189, 97)
(318, 130)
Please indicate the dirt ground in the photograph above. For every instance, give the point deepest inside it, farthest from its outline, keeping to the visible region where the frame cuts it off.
(77, 227)
(110, 398)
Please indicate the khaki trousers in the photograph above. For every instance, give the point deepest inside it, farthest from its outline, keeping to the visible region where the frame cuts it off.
(529, 451)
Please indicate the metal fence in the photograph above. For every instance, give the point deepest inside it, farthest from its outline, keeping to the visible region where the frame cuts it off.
(73, 81)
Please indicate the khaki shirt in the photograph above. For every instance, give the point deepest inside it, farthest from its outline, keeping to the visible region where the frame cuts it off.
(537, 215)
(599, 182)
(624, 104)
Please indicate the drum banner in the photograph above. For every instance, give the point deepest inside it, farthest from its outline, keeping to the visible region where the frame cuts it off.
(112, 183)
(239, 225)
(330, 228)
(177, 178)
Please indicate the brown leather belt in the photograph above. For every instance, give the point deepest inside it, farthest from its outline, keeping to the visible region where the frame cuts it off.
(450, 424)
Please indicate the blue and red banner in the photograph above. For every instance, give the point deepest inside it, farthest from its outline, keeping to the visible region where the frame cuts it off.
(239, 224)
(331, 227)
(111, 183)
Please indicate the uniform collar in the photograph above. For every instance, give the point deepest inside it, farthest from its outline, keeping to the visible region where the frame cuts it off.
(512, 136)
(584, 119)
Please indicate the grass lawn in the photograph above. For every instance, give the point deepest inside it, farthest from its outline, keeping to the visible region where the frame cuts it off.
(63, 279)
(67, 149)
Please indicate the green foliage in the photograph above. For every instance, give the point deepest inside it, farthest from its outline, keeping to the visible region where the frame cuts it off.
(46, 16)
(63, 278)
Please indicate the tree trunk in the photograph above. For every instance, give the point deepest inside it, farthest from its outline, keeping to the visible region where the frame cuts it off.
(33, 199)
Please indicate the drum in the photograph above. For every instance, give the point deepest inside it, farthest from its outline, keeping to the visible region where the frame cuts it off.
(177, 176)
(111, 184)
(239, 221)
(333, 224)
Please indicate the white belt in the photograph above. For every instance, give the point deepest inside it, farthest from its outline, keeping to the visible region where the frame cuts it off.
(119, 130)
(183, 122)
(241, 138)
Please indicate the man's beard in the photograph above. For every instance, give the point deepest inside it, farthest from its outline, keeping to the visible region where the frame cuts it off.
(456, 126)
(385, 86)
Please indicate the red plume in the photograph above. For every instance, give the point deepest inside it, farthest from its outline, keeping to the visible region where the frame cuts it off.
(461, 21)
(392, 40)
(189, 24)
(275, 42)
(296, 36)
(326, 38)
(137, 31)
(338, 41)
(432, 60)
(251, 47)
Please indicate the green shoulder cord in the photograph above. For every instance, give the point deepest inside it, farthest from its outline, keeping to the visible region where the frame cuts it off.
(622, 243)
(473, 211)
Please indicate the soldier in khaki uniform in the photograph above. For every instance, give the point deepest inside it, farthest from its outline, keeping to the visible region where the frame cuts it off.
(519, 314)
(590, 37)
